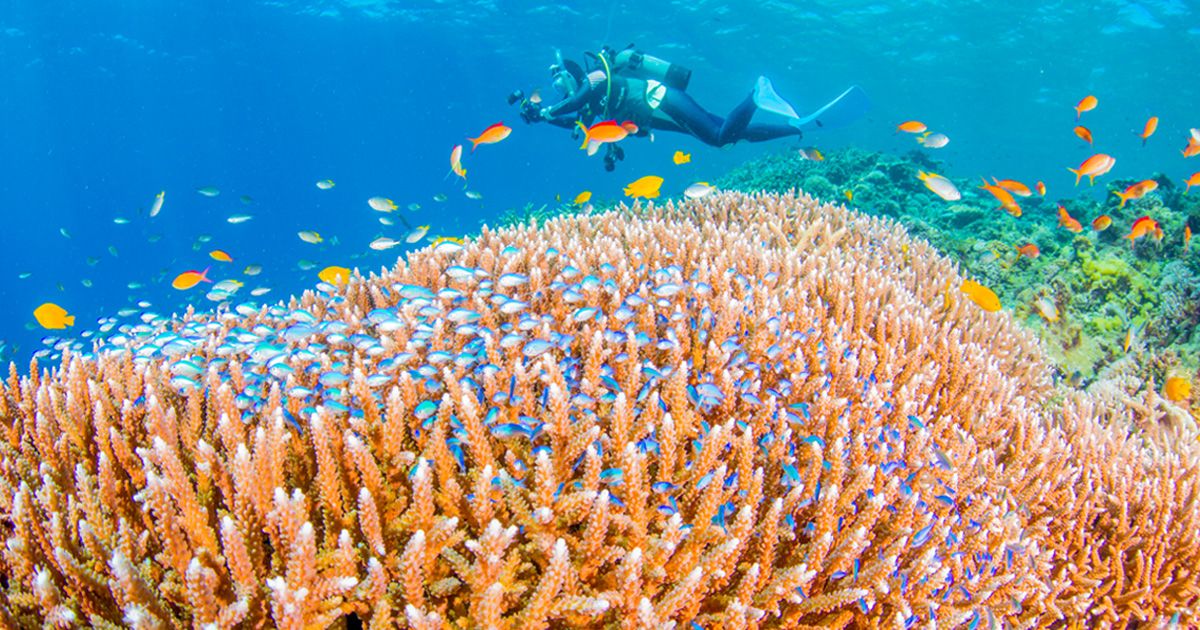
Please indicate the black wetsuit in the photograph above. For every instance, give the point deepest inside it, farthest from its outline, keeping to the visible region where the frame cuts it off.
(683, 113)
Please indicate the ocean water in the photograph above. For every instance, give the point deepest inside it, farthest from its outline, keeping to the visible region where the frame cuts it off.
(107, 103)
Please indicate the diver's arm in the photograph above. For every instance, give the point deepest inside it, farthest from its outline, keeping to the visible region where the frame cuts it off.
(569, 105)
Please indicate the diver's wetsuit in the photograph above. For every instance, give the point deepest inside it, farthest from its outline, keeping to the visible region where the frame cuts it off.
(684, 113)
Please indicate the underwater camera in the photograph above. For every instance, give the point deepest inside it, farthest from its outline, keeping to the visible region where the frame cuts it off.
(515, 96)
(529, 112)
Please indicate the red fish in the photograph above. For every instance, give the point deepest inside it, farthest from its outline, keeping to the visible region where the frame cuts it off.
(491, 135)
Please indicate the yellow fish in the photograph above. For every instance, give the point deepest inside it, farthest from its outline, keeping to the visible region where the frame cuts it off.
(582, 197)
(682, 158)
(981, 295)
(849, 195)
(334, 275)
(53, 316)
(310, 237)
(646, 187)
(220, 255)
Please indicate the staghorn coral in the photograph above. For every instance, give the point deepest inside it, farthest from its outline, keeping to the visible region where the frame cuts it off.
(746, 411)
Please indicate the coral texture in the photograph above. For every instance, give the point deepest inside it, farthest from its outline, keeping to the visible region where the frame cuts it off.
(744, 411)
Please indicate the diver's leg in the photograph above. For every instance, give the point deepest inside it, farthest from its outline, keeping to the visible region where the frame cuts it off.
(688, 114)
(737, 121)
(760, 132)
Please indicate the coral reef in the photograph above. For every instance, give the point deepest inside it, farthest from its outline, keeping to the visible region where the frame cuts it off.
(1102, 287)
(743, 411)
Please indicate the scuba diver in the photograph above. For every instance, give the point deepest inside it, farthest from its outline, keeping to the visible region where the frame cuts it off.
(632, 86)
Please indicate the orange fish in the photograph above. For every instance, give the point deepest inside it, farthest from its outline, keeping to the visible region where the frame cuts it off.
(1187, 237)
(1136, 191)
(1084, 133)
(456, 161)
(491, 135)
(981, 295)
(1148, 130)
(1193, 148)
(602, 132)
(1177, 389)
(1087, 104)
(1101, 222)
(220, 255)
(1067, 221)
(1194, 180)
(1041, 188)
(1143, 227)
(912, 126)
(1013, 186)
(1093, 167)
(1004, 197)
(1030, 250)
(189, 279)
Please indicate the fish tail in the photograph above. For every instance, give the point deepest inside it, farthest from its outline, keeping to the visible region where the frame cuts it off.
(474, 143)
(1078, 175)
(204, 274)
(585, 134)
(70, 320)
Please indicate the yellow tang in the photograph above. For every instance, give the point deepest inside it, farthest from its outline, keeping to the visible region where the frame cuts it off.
(53, 316)
(646, 187)
(981, 295)
(582, 197)
(334, 275)
(220, 255)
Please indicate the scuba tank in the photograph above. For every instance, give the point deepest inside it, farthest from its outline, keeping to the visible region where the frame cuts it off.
(640, 65)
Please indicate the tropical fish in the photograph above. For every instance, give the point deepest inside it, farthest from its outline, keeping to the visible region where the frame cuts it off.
(1093, 167)
(471, 194)
(220, 255)
(645, 187)
(334, 275)
(1041, 188)
(1013, 186)
(456, 161)
(381, 204)
(53, 316)
(417, 234)
(1187, 237)
(981, 295)
(681, 158)
(246, 200)
(940, 186)
(259, 291)
(1149, 129)
(325, 184)
(1067, 221)
(413, 207)
(383, 243)
(1086, 104)
(1143, 227)
(309, 236)
(491, 135)
(582, 198)
(1084, 133)
(849, 195)
(604, 132)
(933, 140)
(1046, 308)
(64, 232)
(1194, 180)
(387, 220)
(189, 279)
(252, 270)
(120, 220)
(698, 190)
(1029, 249)
(239, 218)
(912, 126)
(1004, 197)
(440, 197)
(1177, 389)
(209, 191)
(228, 286)
(1101, 222)
(1136, 191)
(305, 264)
(1193, 148)
(156, 207)
(811, 153)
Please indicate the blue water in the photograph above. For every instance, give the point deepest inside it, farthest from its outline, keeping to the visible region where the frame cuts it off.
(106, 103)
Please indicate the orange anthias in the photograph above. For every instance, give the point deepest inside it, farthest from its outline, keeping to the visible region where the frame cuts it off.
(1194, 180)
(189, 279)
(1041, 188)
(1136, 191)
(456, 161)
(912, 126)
(1187, 237)
(1013, 186)
(1093, 167)
(1084, 133)
(1148, 130)
(602, 132)
(491, 135)
(1029, 249)
(1143, 227)
(1101, 222)
(1004, 197)
(1193, 147)
(1087, 104)
(1067, 221)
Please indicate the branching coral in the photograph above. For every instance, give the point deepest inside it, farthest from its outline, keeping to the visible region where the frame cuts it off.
(744, 411)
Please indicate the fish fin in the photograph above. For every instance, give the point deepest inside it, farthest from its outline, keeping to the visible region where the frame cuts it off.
(592, 147)
(1078, 175)
(70, 320)
(585, 134)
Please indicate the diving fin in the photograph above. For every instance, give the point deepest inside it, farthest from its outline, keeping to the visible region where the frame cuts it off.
(767, 99)
(841, 111)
